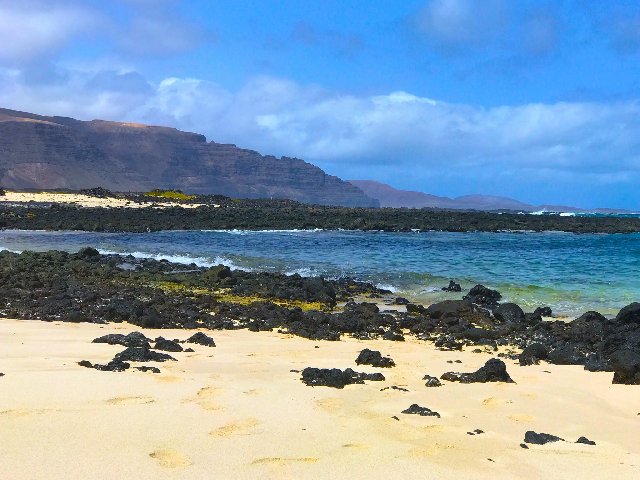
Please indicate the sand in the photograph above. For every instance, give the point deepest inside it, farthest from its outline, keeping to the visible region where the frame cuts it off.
(86, 200)
(237, 411)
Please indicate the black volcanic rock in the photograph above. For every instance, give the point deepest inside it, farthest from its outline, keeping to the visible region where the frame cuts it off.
(585, 441)
(416, 409)
(201, 339)
(374, 358)
(336, 378)
(167, 345)
(141, 354)
(509, 312)
(540, 438)
(57, 152)
(452, 287)
(493, 371)
(626, 367)
(532, 354)
(629, 314)
(482, 295)
(133, 339)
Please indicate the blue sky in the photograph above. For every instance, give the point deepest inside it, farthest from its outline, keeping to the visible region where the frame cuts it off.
(537, 100)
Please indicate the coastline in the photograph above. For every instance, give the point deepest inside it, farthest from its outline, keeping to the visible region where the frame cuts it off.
(238, 411)
(121, 214)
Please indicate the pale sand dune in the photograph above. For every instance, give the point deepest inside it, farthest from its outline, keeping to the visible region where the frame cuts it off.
(85, 200)
(237, 411)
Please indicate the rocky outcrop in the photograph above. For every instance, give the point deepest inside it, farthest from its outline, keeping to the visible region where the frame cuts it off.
(57, 152)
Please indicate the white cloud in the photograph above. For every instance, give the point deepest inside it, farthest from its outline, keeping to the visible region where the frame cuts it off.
(31, 28)
(456, 24)
(592, 143)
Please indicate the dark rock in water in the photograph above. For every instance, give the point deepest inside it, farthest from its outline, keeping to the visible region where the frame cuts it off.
(141, 354)
(401, 301)
(449, 308)
(494, 370)
(189, 350)
(374, 358)
(629, 314)
(566, 355)
(88, 252)
(509, 312)
(146, 368)
(431, 381)
(393, 336)
(540, 438)
(585, 441)
(112, 366)
(336, 378)
(416, 409)
(167, 345)
(543, 311)
(452, 287)
(626, 367)
(477, 431)
(524, 445)
(201, 339)
(133, 339)
(532, 354)
(482, 295)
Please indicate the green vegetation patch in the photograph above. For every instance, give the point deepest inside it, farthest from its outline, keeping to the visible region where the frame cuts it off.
(169, 194)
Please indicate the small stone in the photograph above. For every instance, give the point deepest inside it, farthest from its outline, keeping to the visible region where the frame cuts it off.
(416, 409)
(585, 441)
(540, 438)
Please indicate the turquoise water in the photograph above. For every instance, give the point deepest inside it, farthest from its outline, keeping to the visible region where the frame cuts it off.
(569, 272)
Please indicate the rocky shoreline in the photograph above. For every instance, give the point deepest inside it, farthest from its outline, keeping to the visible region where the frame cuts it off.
(223, 213)
(89, 287)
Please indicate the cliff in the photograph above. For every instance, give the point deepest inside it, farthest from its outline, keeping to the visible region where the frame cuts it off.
(64, 153)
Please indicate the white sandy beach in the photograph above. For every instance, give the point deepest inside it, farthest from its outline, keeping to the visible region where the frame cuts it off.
(85, 200)
(237, 411)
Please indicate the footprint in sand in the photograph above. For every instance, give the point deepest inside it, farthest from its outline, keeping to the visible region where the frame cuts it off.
(130, 400)
(241, 427)
(170, 458)
(205, 399)
(282, 462)
(494, 402)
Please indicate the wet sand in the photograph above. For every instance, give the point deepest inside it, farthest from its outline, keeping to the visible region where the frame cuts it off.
(237, 411)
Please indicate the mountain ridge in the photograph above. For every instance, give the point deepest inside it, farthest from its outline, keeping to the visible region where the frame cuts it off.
(52, 152)
(389, 196)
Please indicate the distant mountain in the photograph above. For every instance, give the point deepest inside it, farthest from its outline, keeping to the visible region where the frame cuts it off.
(395, 198)
(58, 152)
(392, 197)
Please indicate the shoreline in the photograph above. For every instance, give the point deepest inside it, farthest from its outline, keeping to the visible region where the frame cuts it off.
(108, 212)
(237, 410)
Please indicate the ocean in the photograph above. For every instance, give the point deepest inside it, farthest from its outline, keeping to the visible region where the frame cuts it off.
(572, 273)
